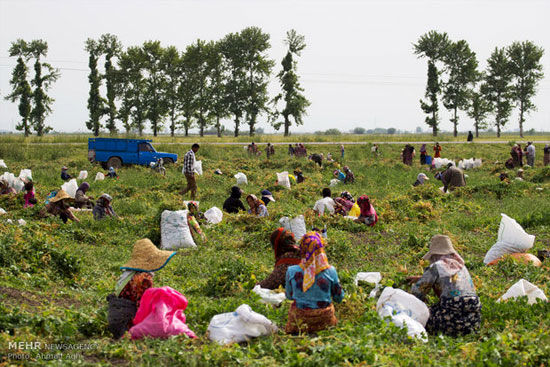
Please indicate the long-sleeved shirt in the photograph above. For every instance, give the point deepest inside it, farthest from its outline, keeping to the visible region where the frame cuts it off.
(101, 211)
(326, 288)
(453, 177)
(233, 205)
(262, 211)
(435, 276)
(189, 162)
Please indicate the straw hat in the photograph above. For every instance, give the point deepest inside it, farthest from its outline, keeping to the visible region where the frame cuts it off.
(61, 194)
(147, 257)
(440, 245)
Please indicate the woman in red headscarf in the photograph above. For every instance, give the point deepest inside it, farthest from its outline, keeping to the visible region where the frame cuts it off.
(287, 253)
(368, 214)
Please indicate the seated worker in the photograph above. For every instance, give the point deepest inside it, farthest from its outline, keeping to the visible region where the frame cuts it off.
(452, 177)
(368, 214)
(103, 207)
(30, 200)
(80, 198)
(339, 175)
(59, 206)
(317, 158)
(267, 197)
(193, 215)
(112, 173)
(233, 203)
(329, 157)
(313, 285)
(420, 179)
(5, 188)
(504, 177)
(458, 311)
(326, 203)
(519, 176)
(350, 177)
(136, 278)
(257, 207)
(286, 252)
(299, 175)
(64, 174)
(345, 203)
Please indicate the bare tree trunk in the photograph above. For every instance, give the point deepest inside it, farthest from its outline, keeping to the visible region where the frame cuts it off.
(218, 127)
(521, 119)
(477, 129)
(287, 125)
(498, 130)
(434, 130)
(236, 126)
(455, 123)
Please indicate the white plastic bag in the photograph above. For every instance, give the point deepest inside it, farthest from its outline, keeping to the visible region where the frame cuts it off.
(83, 175)
(405, 303)
(334, 182)
(524, 288)
(100, 176)
(2, 211)
(18, 184)
(239, 326)
(3, 164)
(268, 296)
(511, 239)
(21, 222)
(70, 187)
(296, 225)
(372, 278)
(414, 328)
(477, 163)
(25, 174)
(198, 167)
(283, 180)
(213, 215)
(174, 230)
(441, 162)
(241, 179)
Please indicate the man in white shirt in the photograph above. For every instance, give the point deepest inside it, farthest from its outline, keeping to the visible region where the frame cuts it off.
(530, 154)
(326, 203)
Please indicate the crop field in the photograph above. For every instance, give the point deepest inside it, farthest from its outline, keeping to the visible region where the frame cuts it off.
(55, 277)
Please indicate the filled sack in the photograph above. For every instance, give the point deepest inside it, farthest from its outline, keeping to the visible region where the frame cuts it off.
(269, 296)
(334, 182)
(239, 326)
(355, 211)
(198, 167)
(3, 164)
(441, 162)
(83, 175)
(174, 230)
(283, 179)
(2, 211)
(100, 176)
(414, 328)
(70, 187)
(405, 303)
(373, 278)
(213, 215)
(296, 225)
(25, 174)
(511, 239)
(241, 179)
(524, 288)
(160, 315)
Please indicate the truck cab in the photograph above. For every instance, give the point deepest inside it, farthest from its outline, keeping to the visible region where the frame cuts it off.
(116, 152)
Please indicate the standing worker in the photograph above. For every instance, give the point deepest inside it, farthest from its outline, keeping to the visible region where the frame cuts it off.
(189, 171)
(530, 149)
(342, 150)
(470, 136)
(437, 150)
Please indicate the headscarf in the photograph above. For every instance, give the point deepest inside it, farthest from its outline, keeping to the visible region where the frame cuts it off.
(84, 186)
(236, 192)
(449, 264)
(257, 203)
(314, 259)
(111, 170)
(282, 242)
(421, 177)
(347, 204)
(346, 195)
(366, 207)
(423, 148)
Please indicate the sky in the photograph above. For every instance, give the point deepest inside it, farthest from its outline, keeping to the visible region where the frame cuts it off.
(358, 69)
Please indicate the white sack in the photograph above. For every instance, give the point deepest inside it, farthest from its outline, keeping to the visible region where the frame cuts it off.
(18, 185)
(21, 222)
(239, 326)
(100, 176)
(268, 296)
(241, 179)
(25, 174)
(213, 215)
(283, 180)
(414, 328)
(198, 167)
(441, 162)
(174, 230)
(83, 175)
(524, 288)
(477, 163)
(404, 303)
(511, 239)
(3, 164)
(296, 225)
(334, 182)
(2, 211)
(372, 278)
(70, 187)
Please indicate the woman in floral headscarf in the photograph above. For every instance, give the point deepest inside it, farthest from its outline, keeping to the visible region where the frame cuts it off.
(257, 207)
(313, 285)
(287, 253)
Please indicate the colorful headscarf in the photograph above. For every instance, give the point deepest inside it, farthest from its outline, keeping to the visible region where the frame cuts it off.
(314, 259)
(283, 242)
(257, 203)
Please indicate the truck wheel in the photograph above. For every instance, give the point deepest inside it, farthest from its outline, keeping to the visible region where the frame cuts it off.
(168, 161)
(114, 162)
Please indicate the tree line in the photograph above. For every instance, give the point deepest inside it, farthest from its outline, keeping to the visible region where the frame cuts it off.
(510, 80)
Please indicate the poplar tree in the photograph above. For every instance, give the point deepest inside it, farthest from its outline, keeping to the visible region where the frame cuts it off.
(96, 104)
(478, 110)
(497, 87)
(155, 84)
(111, 48)
(217, 87)
(21, 89)
(132, 86)
(171, 65)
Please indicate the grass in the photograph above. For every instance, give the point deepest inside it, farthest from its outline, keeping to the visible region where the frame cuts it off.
(54, 278)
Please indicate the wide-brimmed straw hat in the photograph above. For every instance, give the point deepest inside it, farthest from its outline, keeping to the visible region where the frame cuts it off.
(440, 245)
(147, 257)
(61, 194)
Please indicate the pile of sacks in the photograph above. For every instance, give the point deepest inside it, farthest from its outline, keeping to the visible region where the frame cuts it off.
(441, 162)
(17, 183)
(469, 163)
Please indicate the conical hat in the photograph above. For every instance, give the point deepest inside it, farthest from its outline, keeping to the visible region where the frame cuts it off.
(147, 257)
(61, 194)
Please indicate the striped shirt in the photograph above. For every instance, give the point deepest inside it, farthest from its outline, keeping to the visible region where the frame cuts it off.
(189, 162)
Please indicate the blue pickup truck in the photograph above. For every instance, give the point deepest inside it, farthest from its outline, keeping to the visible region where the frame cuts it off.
(116, 152)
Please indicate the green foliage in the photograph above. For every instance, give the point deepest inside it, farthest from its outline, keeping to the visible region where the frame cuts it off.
(497, 87)
(95, 102)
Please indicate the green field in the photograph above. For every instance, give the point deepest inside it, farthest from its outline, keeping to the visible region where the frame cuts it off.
(54, 278)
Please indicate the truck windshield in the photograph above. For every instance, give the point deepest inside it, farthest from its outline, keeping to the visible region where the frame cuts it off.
(145, 147)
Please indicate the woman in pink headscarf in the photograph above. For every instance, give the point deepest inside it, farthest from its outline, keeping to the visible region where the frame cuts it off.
(368, 214)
